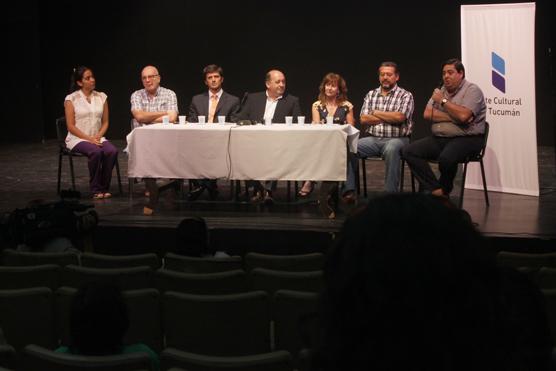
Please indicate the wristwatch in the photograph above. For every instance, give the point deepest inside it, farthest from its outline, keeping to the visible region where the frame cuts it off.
(443, 102)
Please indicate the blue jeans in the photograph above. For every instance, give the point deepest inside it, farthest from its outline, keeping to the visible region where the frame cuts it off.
(387, 148)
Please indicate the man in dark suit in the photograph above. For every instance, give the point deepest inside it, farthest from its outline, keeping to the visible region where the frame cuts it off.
(201, 104)
(272, 104)
(211, 104)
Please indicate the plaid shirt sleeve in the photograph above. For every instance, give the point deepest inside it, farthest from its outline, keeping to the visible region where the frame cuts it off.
(365, 109)
(406, 105)
(172, 102)
(136, 101)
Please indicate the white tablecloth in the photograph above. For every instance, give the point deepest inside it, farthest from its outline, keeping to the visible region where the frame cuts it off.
(277, 152)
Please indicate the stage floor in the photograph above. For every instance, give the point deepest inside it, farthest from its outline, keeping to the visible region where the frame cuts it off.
(29, 172)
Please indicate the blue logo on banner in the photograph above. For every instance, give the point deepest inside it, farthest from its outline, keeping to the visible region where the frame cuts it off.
(498, 72)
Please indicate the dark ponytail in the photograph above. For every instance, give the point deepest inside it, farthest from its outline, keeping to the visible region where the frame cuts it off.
(77, 75)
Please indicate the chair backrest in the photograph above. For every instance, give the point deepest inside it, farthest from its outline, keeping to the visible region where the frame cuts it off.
(145, 324)
(26, 317)
(295, 320)
(126, 278)
(21, 277)
(13, 257)
(273, 361)
(520, 259)
(188, 264)
(230, 282)
(145, 318)
(292, 263)
(120, 261)
(272, 281)
(39, 358)
(221, 325)
(61, 131)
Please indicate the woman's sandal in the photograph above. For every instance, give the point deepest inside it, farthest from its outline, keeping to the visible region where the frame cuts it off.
(107, 195)
(98, 196)
(303, 192)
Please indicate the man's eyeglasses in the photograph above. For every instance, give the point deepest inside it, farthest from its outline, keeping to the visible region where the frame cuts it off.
(149, 77)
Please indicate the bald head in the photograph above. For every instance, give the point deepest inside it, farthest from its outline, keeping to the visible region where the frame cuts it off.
(150, 78)
(275, 83)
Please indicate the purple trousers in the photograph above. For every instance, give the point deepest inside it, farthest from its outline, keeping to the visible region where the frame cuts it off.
(101, 163)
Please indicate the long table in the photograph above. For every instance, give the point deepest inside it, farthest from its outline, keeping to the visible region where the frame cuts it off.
(275, 152)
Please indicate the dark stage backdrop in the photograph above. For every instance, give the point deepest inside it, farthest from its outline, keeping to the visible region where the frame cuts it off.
(303, 39)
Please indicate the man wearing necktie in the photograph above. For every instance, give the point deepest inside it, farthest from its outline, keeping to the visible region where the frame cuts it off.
(211, 104)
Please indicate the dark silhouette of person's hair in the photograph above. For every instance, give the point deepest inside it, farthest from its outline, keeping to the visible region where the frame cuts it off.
(99, 320)
(192, 238)
(412, 285)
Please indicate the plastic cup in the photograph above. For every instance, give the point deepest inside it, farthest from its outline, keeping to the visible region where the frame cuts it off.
(329, 120)
(182, 120)
(166, 119)
(289, 120)
(300, 120)
(201, 119)
(221, 119)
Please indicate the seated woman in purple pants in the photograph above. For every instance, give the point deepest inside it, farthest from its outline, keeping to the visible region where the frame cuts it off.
(87, 120)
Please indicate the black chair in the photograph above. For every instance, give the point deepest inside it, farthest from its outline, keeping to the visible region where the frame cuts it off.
(290, 263)
(274, 361)
(476, 158)
(120, 261)
(273, 280)
(12, 257)
(217, 325)
(27, 317)
(39, 358)
(188, 264)
(364, 173)
(61, 133)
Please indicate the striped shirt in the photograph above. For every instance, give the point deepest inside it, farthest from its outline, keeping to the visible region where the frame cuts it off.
(397, 100)
(163, 100)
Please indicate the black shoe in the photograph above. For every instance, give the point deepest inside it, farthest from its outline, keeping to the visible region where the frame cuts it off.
(194, 194)
(268, 200)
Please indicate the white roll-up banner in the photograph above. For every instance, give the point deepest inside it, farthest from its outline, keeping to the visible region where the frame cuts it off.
(498, 52)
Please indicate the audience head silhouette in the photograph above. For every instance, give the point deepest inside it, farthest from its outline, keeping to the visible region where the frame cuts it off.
(99, 320)
(193, 238)
(411, 284)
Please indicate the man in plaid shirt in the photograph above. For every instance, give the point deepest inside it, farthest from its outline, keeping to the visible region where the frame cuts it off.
(150, 104)
(387, 117)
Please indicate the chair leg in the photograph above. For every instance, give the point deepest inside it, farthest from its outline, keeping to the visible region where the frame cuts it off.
(485, 190)
(295, 190)
(119, 177)
(364, 171)
(412, 182)
(357, 179)
(130, 182)
(289, 188)
(462, 185)
(72, 173)
(402, 174)
(59, 172)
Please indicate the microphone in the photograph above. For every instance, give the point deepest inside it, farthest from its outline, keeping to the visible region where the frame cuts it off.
(245, 95)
